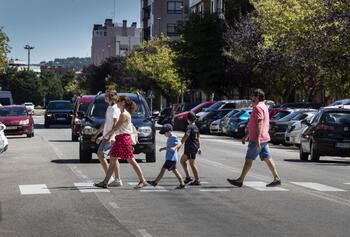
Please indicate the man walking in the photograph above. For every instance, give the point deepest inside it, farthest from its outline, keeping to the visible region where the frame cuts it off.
(258, 137)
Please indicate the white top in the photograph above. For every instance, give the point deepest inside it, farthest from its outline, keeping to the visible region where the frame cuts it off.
(113, 112)
(125, 128)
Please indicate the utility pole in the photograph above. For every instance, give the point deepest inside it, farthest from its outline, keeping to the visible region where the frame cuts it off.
(159, 19)
(28, 47)
(182, 25)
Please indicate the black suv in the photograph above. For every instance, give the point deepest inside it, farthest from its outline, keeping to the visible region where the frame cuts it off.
(142, 120)
(58, 112)
(328, 134)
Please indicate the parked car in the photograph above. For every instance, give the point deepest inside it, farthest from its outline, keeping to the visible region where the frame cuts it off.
(341, 102)
(58, 112)
(80, 108)
(281, 114)
(165, 116)
(204, 122)
(297, 105)
(29, 106)
(215, 127)
(141, 119)
(180, 120)
(234, 123)
(17, 120)
(6, 98)
(279, 127)
(226, 119)
(328, 134)
(295, 129)
(225, 104)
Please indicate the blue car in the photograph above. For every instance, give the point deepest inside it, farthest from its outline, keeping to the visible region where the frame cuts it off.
(238, 122)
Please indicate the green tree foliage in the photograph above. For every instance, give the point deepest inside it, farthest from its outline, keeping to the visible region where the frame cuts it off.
(53, 89)
(154, 64)
(24, 85)
(4, 49)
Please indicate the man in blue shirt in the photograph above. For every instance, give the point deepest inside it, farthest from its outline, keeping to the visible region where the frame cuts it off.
(170, 156)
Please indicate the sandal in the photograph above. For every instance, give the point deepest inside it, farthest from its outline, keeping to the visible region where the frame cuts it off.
(101, 185)
(141, 185)
(195, 183)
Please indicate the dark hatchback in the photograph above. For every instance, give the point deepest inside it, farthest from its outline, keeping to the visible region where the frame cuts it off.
(204, 122)
(141, 119)
(58, 112)
(328, 134)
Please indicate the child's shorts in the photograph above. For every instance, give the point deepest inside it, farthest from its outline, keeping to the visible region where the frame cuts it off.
(169, 165)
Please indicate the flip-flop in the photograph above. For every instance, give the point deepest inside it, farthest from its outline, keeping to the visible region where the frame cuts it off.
(141, 185)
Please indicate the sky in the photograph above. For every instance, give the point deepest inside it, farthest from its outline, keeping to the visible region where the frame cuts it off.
(59, 28)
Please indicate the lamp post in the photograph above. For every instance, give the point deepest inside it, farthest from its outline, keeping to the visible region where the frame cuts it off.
(28, 47)
(183, 24)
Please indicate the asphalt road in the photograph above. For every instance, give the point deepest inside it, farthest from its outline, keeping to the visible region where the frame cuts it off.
(45, 191)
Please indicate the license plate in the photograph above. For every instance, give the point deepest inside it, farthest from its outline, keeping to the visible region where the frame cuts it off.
(343, 145)
(60, 119)
(11, 128)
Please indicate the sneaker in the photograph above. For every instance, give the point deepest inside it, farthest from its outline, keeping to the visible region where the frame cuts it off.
(235, 182)
(188, 180)
(195, 183)
(153, 183)
(111, 180)
(116, 183)
(274, 183)
(181, 186)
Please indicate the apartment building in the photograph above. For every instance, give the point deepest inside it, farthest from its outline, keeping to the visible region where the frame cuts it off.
(110, 40)
(162, 17)
(200, 6)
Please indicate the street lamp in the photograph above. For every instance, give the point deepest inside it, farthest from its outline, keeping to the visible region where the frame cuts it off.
(28, 47)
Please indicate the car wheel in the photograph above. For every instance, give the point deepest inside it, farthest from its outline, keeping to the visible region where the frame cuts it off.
(85, 154)
(151, 157)
(314, 155)
(75, 137)
(303, 155)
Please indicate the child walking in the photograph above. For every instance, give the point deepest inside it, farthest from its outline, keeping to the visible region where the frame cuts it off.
(192, 147)
(170, 156)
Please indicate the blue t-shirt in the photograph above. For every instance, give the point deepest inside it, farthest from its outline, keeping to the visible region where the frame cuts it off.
(171, 142)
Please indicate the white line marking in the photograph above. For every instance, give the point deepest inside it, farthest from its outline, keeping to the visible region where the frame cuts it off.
(114, 205)
(90, 188)
(318, 187)
(261, 186)
(144, 233)
(214, 190)
(149, 188)
(346, 183)
(34, 189)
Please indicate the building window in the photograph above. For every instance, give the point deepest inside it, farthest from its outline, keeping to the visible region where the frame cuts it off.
(172, 30)
(175, 7)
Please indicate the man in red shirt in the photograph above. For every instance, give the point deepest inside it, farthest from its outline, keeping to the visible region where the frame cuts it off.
(258, 137)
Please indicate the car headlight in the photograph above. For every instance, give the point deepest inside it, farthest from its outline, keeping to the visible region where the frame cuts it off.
(242, 125)
(88, 130)
(24, 122)
(48, 115)
(77, 121)
(144, 131)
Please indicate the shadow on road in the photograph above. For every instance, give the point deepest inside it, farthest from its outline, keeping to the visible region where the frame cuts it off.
(93, 161)
(41, 126)
(322, 162)
(61, 141)
(17, 137)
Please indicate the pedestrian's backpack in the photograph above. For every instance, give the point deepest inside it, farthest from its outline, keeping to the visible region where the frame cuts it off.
(134, 135)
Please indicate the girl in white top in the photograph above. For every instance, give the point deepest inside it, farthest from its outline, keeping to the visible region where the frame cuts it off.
(122, 148)
(111, 119)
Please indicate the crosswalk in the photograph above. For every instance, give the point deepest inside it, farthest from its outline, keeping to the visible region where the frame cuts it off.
(88, 187)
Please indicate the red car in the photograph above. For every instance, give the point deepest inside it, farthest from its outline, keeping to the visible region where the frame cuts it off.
(180, 120)
(79, 111)
(17, 120)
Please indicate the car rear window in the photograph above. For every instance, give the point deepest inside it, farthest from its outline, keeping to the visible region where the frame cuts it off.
(337, 118)
(13, 112)
(280, 115)
(83, 107)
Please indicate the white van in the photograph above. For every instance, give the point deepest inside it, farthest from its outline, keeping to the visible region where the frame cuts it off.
(6, 98)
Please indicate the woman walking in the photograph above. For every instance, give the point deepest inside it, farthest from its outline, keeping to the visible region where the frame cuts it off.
(122, 148)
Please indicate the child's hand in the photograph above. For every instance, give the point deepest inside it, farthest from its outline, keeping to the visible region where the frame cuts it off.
(173, 148)
(162, 149)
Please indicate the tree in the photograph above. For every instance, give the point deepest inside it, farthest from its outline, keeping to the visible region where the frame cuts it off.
(154, 64)
(53, 89)
(4, 49)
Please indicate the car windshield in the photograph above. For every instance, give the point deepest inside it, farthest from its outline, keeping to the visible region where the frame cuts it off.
(199, 106)
(83, 107)
(280, 115)
(99, 110)
(290, 117)
(60, 105)
(13, 112)
(341, 102)
(215, 106)
(337, 118)
(232, 113)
